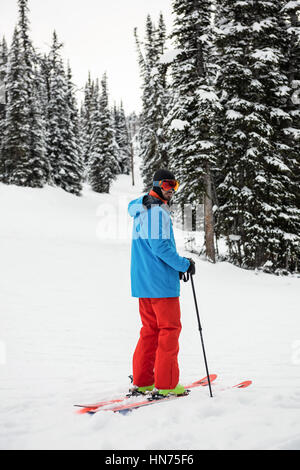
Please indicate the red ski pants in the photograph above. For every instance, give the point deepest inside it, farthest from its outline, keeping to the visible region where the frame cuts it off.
(155, 357)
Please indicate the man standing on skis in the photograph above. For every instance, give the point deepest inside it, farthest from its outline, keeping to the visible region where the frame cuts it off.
(155, 270)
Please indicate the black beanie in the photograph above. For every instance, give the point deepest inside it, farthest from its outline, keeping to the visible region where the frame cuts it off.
(163, 175)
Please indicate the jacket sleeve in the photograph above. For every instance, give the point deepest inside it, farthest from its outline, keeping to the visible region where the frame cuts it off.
(161, 241)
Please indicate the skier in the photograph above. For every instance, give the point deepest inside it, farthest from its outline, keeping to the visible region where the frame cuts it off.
(155, 274)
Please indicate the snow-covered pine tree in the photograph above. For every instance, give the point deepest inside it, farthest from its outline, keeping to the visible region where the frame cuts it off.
(86, 122)
(56, 113)
(90, 125)
(45, 71)
(291, 12)
(23, 148)
(82, 141)
(133, 125)
(16, 142)
(36, 170)
(122, 139)
(38, 124)
(45, 68)
(161, 36)
(116, 119)
(103, 165)
(63, 152)
(23, 152)
(73, 141)
(234, 79)
(257, 209)
(153, 73)
(147, 130)
(191, 113)
(163, 96)
(3, 68)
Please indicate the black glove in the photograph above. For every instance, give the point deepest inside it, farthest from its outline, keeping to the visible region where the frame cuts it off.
(191, 271)
(192, 267)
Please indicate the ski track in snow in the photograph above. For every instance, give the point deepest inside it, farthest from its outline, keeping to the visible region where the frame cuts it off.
(69, 328)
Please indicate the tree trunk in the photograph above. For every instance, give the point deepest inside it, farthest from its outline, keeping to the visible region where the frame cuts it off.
(209, 217)
(208, 196)
(132, 163)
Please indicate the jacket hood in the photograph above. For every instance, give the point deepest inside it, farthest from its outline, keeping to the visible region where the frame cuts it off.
(144, 203)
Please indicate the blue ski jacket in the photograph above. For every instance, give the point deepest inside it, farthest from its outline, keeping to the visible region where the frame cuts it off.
(155, 263)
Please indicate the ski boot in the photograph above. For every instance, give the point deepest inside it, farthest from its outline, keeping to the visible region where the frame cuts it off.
(135, 390)
(179, 390)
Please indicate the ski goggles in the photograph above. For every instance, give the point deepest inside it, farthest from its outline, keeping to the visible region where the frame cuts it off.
(167, 185)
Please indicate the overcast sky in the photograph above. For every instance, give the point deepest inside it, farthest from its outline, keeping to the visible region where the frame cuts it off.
(97, 37)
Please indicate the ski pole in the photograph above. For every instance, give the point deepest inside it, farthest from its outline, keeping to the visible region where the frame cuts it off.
(200, 329)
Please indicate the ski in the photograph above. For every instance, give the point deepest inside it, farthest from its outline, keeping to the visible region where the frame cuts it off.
(244, 384)
(90, 408)
(126, 408)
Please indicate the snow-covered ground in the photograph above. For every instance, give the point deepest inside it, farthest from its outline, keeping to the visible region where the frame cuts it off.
(69, 328)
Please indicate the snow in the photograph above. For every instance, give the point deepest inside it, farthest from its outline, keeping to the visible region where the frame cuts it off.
(257, 84)
(266, 55)
(252, 152)
(239, 135)
(179, 124)
(283, 90)
(69, 328)
(292, 130)
(246, 191)
(232, 28)
(206, 144)
(290, 236)
(234, 238)
(258, 26)
(206, 95)
(169, 56)
(267, 207)
(260, 179)
(279, 113)
(233, 115)
(291, 5)
(278, 163)
(295, 84)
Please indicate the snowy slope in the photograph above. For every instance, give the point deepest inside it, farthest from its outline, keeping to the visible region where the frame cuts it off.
(69, 328)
